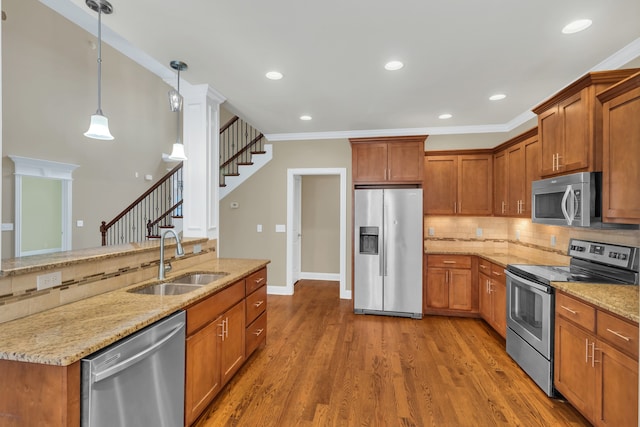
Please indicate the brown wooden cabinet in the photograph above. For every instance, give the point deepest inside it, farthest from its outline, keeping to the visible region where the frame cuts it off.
(516, 165)
(570, 125)
(458, 184)
(493, 295)
(596, 362)
(387, 160)
(214, 347)
(449, 286)
(256, 303)
(621, 152)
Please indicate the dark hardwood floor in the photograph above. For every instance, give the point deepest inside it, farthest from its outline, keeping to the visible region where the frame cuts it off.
(325, 366)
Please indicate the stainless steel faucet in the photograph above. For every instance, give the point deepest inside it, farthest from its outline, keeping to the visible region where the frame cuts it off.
(162, 268)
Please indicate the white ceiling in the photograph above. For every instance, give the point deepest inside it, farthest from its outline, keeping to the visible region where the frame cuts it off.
(456, 53)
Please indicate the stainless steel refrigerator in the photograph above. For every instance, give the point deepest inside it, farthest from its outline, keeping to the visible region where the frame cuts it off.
(388, 247)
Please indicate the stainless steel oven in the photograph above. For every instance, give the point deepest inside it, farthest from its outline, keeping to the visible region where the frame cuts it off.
(531, 300)
(530, 308)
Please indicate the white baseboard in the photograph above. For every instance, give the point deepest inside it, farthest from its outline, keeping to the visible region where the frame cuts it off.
(320, 276)
(278, 290)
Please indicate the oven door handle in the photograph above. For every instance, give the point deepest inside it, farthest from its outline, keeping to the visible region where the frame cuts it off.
(529, 283)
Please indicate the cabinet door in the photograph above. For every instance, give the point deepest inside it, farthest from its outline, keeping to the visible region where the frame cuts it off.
(500, 204)
(437, 289)
(515, 180)
(405, 161)
(439, 185)
(460, 289)
(616, 394)
(499, 306)
(621, 159)
(549, 132)
(485, 297)
(233, 341)
(369, 162)
(531, 148)
(573, 375)
(475, 188)
(576, 135)
(202, 369)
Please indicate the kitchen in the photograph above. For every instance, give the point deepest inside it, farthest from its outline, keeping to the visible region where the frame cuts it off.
(496, 232)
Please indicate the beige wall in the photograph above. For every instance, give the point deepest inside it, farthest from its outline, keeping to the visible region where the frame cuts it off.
(263, 200)
(320, 224)
(49, 79)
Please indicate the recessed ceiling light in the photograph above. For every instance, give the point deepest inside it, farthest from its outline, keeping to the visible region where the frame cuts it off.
(274, 75)
(497, 97)
(445, 116)
(305, 117)
(393, 65)
(576, 26)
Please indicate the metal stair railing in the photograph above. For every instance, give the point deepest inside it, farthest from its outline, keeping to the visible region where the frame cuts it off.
(238, 142)
(160, 203)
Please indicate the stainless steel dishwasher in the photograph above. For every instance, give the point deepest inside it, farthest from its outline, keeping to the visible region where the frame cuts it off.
(139, 380)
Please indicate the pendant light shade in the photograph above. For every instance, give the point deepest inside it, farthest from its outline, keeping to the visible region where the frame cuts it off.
(99, 126)
(175, 103)
(177, 153)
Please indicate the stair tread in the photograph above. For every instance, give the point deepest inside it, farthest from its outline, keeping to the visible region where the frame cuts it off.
(231, 174)
(245, 163)
(176, 216)
(166, 226)
(258, 152)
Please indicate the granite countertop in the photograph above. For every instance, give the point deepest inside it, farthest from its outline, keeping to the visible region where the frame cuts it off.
(64, 335)
(14, 266)
(499, 258)
(619, 299)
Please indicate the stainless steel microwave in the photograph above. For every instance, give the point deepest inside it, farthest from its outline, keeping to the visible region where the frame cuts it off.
(570, 200)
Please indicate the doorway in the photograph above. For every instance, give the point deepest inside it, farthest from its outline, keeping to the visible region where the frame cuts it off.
(294, 215)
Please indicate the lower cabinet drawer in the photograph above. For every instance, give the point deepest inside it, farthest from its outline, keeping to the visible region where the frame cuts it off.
(256, 303)
(256, 333)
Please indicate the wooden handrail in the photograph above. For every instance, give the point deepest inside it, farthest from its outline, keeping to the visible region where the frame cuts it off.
(239, 153)
(105, 227)
(229, 123)
(164, 215)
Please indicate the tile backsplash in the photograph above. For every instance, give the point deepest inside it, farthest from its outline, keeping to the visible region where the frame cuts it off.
(515, 236)
(88, 277)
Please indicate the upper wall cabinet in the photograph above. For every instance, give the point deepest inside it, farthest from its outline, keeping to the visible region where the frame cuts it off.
(388, 159)
(516, 165)
(570, 124)
(621, 152)
(458, 184)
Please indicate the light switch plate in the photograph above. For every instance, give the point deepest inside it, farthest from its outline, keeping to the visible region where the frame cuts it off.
(259, 228)
(281, 228)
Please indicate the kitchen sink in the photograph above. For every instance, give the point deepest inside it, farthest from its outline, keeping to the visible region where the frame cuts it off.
(165, 289)
(198, 278)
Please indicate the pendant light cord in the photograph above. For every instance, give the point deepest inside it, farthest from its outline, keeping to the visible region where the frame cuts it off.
(179, 110)
(99, 59)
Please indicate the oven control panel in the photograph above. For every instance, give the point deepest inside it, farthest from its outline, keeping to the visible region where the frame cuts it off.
(605, 253)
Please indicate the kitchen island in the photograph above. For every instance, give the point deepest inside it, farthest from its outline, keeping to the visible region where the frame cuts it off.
(40, 354)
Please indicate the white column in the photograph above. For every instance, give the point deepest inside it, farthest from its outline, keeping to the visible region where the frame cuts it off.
(201, 129)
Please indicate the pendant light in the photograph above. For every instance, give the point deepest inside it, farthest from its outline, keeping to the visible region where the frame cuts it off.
(175, 102)
(99, 127)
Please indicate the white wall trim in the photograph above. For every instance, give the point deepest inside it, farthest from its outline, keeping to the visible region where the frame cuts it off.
(320, 276)
(291, 174)
(25, 166)
(279, 290)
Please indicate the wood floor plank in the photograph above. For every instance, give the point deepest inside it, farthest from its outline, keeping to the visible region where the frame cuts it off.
(323, 365)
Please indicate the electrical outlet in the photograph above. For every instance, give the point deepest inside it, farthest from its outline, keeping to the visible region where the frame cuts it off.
(259, 228)
(46, 281)
(553, 240)
(479, 232)
(432, 232)
(197, 248)
(517, 234)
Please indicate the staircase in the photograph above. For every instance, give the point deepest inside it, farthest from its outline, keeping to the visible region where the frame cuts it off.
(242, 153)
